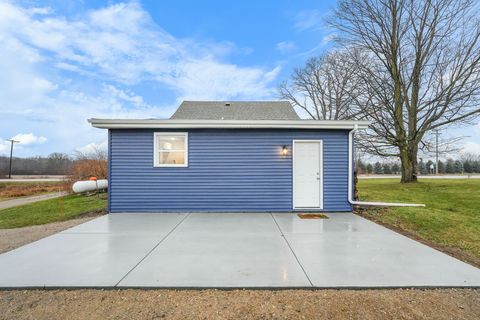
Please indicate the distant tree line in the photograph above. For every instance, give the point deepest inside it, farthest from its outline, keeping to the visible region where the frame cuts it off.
(466, 164)
(53, 164)
(79, 166)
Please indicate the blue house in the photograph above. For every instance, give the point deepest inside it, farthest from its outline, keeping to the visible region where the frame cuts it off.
(230, 157)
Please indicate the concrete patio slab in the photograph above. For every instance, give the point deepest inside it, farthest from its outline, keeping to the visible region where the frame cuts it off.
(133, 224)
(221, 250)
(74, 260)
(221, 223)
(186, 260)
(349, 251)
(341, 223)
(98, 253)
(231, 250)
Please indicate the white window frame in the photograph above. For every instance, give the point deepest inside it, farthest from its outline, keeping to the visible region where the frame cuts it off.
(156, 160)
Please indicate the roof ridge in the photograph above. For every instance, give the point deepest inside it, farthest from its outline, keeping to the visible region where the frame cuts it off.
(219, 101)
(236, 110)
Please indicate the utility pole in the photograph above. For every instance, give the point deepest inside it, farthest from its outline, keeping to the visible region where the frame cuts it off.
(437, 133)
(11, 153)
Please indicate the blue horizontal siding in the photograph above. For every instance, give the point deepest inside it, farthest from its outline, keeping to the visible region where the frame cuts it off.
(228, 171)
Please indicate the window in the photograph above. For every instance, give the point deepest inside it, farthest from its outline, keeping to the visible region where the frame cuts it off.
(170, 149)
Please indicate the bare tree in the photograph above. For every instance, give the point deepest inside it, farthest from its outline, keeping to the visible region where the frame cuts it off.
(93, 163)
(325, 88)
(423, 70)
(445, 146)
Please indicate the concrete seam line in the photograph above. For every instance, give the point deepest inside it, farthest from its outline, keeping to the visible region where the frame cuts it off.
(149, 252)
(291, 249)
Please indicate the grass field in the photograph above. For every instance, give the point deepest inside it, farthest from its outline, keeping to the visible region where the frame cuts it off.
(58, 209)
(450, 220)
(9, 190)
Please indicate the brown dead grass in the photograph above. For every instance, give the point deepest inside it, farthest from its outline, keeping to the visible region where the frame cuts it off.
(23, 189)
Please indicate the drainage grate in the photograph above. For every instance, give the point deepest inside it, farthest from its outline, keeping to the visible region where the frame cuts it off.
(312, 216)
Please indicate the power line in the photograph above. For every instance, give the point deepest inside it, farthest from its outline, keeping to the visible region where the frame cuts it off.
(11, 153)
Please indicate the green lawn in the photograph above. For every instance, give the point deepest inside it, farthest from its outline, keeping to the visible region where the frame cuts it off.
(450, 219)
(58, 209)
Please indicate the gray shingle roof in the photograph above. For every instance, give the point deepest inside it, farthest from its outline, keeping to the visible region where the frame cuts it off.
(235, 110)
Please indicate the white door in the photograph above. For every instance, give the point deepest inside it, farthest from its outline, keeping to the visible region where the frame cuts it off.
(307, 174)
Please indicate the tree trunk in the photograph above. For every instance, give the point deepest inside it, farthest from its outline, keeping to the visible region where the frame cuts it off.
(408, 157)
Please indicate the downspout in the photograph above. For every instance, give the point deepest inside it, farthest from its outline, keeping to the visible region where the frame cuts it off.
(350, 181)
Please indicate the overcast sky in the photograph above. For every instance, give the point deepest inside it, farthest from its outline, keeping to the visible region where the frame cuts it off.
(63, 62)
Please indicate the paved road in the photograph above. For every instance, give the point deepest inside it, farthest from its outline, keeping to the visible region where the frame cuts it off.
(33, 178)
(26, 200)
(382, 176)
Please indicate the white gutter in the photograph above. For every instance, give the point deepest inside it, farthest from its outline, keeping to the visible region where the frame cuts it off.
(350, 181)
(241, 124)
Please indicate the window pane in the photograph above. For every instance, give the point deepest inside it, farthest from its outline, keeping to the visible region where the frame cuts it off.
(171, 143)
(171, 157)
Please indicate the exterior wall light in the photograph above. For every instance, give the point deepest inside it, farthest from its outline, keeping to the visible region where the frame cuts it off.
(284, 150)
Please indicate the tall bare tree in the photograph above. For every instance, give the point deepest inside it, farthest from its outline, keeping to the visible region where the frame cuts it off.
(325, 88)
(423, 70)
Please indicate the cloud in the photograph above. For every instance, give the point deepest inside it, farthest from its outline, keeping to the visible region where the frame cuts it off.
(123, 44)
(205, 79)
(308, 20)
(286, 46)
(93, 147)
(471, 147)
(4, 146)
(28, 138)
(57, 71)
(22, 140)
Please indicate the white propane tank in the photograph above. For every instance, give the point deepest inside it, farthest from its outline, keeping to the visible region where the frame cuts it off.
(90, 185)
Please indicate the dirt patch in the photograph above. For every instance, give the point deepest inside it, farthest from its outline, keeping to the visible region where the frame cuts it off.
(374, 215)
(14, 238)
(240, 304)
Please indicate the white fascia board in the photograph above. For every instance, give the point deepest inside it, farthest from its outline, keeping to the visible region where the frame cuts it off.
(240, 124)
